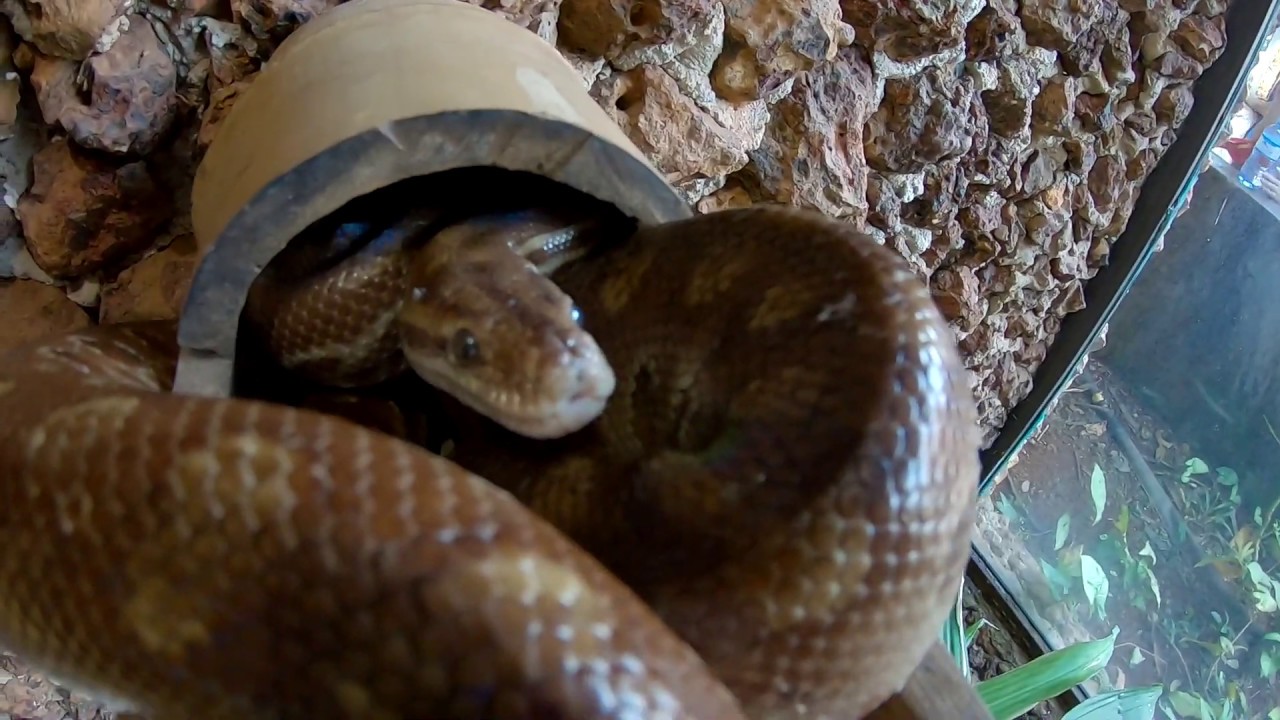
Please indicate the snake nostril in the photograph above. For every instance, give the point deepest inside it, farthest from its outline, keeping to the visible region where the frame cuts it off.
(585, 382)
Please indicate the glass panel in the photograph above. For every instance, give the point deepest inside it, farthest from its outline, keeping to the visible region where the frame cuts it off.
(1149, 501)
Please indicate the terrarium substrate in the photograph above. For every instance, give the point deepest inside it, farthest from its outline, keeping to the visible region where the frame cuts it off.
(1168, 573)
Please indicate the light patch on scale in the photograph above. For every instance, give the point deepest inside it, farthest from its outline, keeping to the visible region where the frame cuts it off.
(838, 310)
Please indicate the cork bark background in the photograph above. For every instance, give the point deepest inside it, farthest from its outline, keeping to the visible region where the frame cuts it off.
(998, 145)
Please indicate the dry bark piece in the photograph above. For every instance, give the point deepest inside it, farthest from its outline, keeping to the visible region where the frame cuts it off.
(63, 28)
(132, 98)
(769, 42)
(154, 289)
(83, 214)
(32, 310)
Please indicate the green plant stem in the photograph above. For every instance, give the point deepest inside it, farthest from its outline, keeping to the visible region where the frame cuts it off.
(1152, 653)
(1173, 643)
(1208, 677)
(1271, 429)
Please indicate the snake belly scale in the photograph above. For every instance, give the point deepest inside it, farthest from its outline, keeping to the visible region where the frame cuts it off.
(769, 519)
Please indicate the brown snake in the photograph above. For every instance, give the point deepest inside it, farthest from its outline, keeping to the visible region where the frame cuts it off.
(784, 476)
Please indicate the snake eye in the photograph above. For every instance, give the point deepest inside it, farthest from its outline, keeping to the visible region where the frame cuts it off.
(463, 347)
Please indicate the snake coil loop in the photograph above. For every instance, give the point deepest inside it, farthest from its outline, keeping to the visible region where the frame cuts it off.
(761, 510)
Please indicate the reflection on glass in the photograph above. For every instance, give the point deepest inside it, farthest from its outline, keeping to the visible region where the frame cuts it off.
(1149, 502)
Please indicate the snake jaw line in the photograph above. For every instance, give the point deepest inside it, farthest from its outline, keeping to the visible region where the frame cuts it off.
(571, 396)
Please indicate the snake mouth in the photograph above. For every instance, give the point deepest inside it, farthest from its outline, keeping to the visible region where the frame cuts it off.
(565, 402)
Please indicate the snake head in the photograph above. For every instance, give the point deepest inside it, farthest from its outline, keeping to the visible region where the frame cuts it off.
(481, 323)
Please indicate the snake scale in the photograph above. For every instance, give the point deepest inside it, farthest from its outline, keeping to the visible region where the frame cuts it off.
(769, 518)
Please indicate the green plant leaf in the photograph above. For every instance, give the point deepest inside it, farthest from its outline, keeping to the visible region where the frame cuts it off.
(1146, 551)
(1136, 658)
(1008, 509)
(1151, 581)
(1194, 466)
(971, 632)
(1228, 477)
(1137, 703)
(1064, 529)
(1258, 575)
(952, 635)
(1274, 714)
(1189, 705)
(1268, 664)
(1098, 488)
(1265, 589)
(1013, 693)
(1096, 586)
(1059, 583)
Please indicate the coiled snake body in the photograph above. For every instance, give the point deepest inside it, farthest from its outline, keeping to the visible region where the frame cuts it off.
(784, 476)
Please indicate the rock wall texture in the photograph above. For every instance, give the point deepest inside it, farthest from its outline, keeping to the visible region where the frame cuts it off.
(998, 145)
